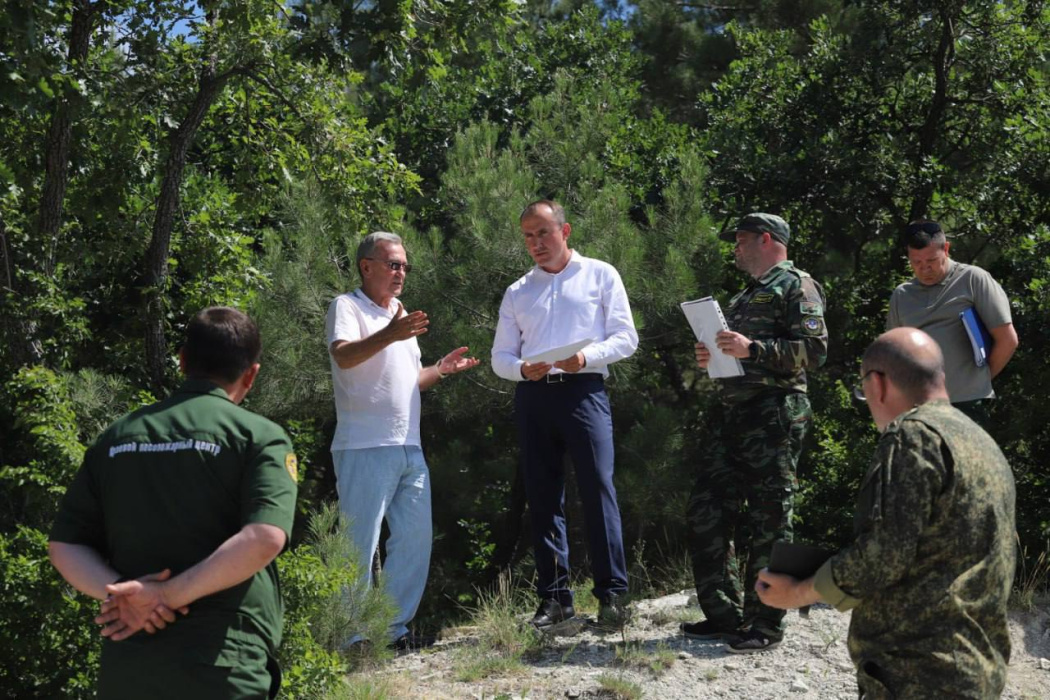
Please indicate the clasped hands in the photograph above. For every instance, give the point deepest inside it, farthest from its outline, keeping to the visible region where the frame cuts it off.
(137, 605)
(729, 342)
(539, 370)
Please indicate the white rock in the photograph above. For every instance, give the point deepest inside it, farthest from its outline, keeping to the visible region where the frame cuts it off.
(730, 667)
(1044, 664)
(573, 693)
(797, 686)
(683, 655)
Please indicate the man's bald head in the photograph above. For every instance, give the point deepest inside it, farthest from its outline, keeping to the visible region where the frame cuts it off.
(910, 359)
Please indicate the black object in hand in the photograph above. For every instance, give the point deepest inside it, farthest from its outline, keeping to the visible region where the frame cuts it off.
(798, 560)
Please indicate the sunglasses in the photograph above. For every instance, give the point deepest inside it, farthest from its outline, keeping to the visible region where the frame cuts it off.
(858, 391)
(929, 227)
(394, 265)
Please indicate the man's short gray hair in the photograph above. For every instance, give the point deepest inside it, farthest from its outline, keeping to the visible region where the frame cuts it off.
(368, 244)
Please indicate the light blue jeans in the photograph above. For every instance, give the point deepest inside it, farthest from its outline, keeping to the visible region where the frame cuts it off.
(392, 483)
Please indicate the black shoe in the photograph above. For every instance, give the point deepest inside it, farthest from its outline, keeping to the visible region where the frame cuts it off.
(707, 629)
(412, 642)
(551, 612)
(613, 613)
(753, 642)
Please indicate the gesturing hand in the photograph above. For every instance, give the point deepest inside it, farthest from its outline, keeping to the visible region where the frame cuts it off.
(455, 362)
(404, 326)
(136, 605)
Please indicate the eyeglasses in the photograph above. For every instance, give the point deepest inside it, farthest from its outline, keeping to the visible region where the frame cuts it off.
(394, 264)
(930, 227)
(858, 391)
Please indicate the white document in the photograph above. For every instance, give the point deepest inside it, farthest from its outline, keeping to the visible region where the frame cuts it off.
(706, 319)
(553, 355)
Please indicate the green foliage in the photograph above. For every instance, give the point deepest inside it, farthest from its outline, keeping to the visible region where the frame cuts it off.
(654, 123)
(503, 638)
(322, 612)
(42, 452)
(656, 659)
(618, 687)
(915, 110)
(49, 646)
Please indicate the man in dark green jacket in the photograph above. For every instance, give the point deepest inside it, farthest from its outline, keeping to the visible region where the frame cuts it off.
(928, 576)
(777, 331)
(202, 491)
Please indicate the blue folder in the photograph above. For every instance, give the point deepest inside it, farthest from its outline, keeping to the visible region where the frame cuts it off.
(980, 338)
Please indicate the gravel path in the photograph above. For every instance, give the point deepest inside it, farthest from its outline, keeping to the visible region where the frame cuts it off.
(812, 662)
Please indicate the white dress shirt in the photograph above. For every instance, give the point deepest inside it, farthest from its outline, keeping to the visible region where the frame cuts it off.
(544, 311)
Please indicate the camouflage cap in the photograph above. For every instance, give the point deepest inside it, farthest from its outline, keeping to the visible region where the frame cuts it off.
(760, 223)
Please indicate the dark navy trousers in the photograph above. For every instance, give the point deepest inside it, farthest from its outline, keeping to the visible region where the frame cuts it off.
(570, 416)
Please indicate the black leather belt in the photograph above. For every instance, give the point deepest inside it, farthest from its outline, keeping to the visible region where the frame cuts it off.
(565, 377)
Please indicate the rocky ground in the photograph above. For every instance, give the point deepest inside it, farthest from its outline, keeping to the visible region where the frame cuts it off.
(652, 659)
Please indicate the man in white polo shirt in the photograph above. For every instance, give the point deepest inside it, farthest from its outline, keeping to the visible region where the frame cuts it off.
(379, 467)
(561, 406)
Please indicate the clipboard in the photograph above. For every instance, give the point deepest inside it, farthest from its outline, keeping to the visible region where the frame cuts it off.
(706, 319)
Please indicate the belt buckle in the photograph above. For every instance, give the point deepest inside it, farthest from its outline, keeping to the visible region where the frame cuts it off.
(555, 378)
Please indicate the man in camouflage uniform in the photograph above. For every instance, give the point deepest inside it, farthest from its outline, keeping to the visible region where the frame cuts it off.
(929, 574)
(777, 331)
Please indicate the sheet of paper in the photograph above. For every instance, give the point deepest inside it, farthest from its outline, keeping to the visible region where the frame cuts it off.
(554, 354)
(706, 319)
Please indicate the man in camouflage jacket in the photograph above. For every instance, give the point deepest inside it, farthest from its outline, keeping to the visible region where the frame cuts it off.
(929, 573)
(777, 331)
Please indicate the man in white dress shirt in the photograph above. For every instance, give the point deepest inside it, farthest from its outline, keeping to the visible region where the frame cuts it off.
(562, 406)
(379, 467)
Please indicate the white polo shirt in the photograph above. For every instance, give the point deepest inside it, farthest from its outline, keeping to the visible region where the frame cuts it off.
(376, 402)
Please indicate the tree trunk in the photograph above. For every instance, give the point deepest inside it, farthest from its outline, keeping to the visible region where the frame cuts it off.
(931, 126)
(209, 87)
(60, 134)
(27, 348)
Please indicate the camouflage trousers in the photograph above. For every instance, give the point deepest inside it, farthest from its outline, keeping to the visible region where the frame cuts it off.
(742, 501)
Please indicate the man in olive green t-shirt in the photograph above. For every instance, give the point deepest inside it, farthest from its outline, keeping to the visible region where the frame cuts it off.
(203, 492)
(932, 301)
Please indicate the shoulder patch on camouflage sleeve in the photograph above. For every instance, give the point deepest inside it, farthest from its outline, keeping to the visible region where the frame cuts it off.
(810, 308)
(813, 325)
(292, 465)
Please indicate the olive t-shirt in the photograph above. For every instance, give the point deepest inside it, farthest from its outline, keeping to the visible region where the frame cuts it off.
(935, 309)
(164, 486)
